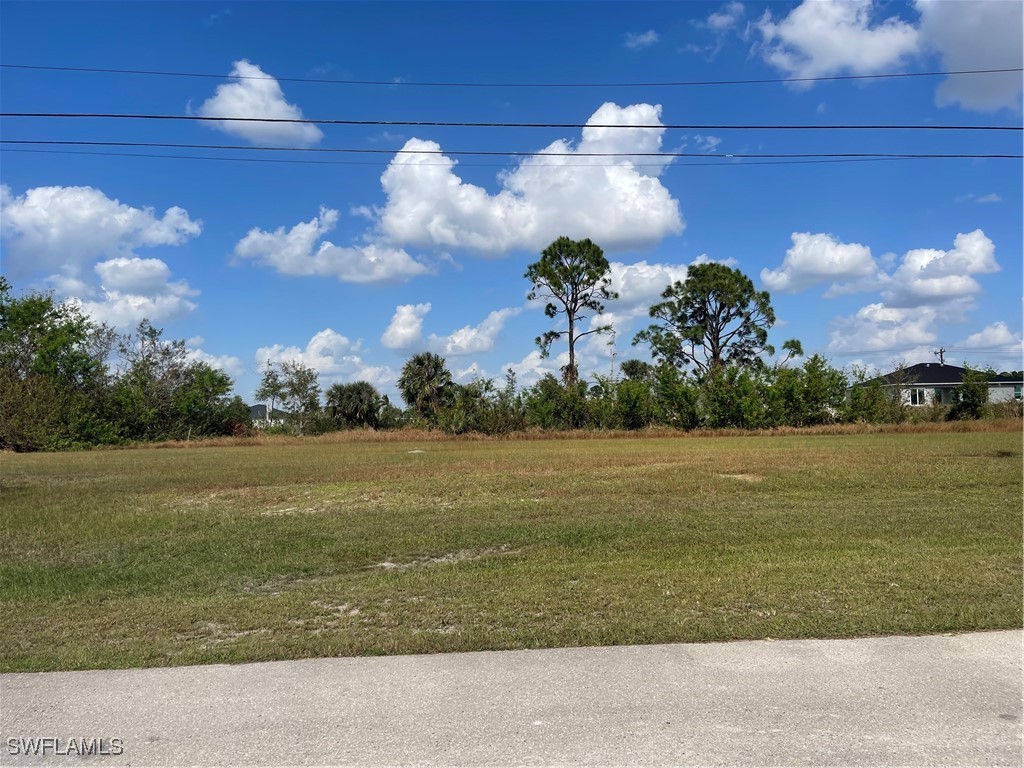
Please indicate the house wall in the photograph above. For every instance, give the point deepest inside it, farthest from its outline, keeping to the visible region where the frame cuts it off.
(267, 423)
(927, 395)
(1001, 393)
(946, 395)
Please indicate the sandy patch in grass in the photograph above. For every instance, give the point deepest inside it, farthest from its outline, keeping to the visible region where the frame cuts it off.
(331, 617)
(339, 610)
(283, 501)
(745, 478)
(292, 511)
(463, 555)
(212, 634)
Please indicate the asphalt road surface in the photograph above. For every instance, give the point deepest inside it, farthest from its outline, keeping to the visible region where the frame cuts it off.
(939, 700)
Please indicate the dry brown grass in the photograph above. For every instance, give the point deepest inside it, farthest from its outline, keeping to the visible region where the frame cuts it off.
(411, 435)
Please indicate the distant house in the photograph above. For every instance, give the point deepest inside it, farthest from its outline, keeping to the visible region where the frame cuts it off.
(928, 383)
(261, 420)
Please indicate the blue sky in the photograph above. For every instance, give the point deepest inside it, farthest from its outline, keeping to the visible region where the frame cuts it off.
(353, 262)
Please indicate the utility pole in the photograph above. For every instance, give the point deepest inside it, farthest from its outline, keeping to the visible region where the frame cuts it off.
(611, 355)
(941, 354)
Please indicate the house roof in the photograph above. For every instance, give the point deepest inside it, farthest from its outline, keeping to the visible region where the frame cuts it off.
(935, 374)
(1008, 378)
(259, 413)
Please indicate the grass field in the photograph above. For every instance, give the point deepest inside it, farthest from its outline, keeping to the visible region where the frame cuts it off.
(229, 554)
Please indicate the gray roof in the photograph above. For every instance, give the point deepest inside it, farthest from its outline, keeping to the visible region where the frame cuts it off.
(259, 413)
(934, 374)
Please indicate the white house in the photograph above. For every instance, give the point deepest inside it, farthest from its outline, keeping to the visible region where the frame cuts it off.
(261, 420)
(928, 383)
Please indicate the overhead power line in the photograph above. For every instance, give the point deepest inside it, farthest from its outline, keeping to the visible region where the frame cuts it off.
(991, 348)
(426, 84)
(464, 124)
(504, 153)
(461, 165)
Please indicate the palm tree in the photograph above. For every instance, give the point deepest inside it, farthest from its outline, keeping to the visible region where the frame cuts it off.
(426, 384)
(355, 405)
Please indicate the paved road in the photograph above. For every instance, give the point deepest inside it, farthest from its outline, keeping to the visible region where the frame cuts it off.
(943, 700)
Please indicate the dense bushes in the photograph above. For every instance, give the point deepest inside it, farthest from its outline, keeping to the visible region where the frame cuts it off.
(59, 389)
(730, 396)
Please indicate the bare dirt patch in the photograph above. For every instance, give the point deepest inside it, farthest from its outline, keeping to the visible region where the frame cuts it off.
(461, 556)
(339, 610)
(745, 478)
(210, 634)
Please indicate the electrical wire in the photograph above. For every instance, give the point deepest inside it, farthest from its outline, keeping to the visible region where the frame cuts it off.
(461, 165)
(413, 83)
(503, 153)
(991, 348)
(465, 124)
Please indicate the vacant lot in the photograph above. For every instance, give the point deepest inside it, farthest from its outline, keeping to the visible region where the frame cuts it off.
(163, 557)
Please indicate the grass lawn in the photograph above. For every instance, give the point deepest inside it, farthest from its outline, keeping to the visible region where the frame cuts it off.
(344, 547)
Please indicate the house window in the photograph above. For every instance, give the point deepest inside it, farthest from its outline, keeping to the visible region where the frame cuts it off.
(938, 396)
(918, 397)
(1016, 392)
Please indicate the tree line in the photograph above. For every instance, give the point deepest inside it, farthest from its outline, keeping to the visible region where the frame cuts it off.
(712, 367)
(67, 381)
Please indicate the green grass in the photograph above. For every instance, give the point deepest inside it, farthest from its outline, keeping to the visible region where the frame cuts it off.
(230, 554)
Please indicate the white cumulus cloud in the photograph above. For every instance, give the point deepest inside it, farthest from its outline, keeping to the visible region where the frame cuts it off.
(640, 284)
(879, 328)
(473, 339)
(828, 37)
(726, 17)
(532, 368)
(817, 258)
(65, 230)
(929, 288)
(470, 373)
(334, 356)
(405, 331)
(137, 275)
(995, 345)
(130, 290)
(922, 276)
(980, 34)
(51, 229)
(299, 251)
(928, 275)
(230, 364)
(618, 202)
(996, 335)
(126, 310)
(253, 93)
